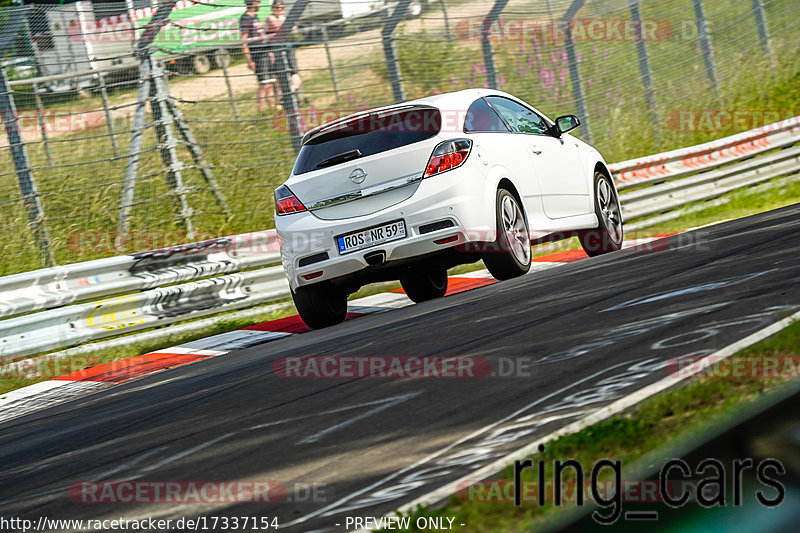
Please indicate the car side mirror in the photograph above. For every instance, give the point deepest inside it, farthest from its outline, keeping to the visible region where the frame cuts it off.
(566, 123)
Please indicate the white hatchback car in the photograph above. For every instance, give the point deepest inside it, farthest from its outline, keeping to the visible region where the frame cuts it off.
(407, 191)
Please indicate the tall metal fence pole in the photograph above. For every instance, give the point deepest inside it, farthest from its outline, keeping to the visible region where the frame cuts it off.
(644, 68)
(27, 185)
(575, 71)
(146, 38)
(106, 108)
(282, 66)
(194, 149)
(486, 44)
(334, 79)
(42, 123)
(167, 144)
(135, 148)
(390, 50)
(447, 29)
(705, 44)
(222, 61)
(763, 31)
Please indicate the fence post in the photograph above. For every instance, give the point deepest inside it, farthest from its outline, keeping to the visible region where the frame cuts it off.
(288, 98)
(222, 62)
(447, 29)
(390, 50)
(27, 185)
(134, 151)
(644, 67)
(167, 144)
(705, 44)
(575, 71)
(109, 119)
(486, 44)
(763, 31)
(334, 79)
(197, 153)
(148, 35)
(42, 125)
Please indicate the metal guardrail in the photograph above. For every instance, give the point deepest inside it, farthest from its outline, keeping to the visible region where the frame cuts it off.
(662, 182)
(82, 302)
(691, 160)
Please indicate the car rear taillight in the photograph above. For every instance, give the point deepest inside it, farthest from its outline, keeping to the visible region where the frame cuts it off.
(286, 202)
(447, 156)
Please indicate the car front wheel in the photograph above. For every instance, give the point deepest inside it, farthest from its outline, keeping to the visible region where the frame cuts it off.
(607, 237)
(320, 305)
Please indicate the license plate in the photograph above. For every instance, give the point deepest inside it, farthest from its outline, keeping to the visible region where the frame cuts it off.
(366, 238)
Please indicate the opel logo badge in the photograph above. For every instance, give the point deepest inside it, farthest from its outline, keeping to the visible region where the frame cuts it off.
(358, 176)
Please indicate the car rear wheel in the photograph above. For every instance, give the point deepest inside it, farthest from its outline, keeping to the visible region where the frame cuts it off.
(425, 285)
(320, 305)
(510, 255)
(607, 237)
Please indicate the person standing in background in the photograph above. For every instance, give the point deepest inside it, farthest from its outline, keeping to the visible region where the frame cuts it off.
(275, 23)
(256, 52)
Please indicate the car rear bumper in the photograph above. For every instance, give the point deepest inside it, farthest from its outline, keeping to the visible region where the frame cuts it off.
(444, 208)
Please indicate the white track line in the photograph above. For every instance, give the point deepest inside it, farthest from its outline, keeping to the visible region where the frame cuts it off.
(600, 414)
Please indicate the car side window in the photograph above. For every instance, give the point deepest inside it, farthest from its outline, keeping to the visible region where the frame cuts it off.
(482, 118)
(520, 118)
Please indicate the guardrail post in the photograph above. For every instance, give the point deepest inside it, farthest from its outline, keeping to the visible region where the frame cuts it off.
(644, 68)
(763, 31)
(27, 185)
(390, 50)
(486, 44)
(42, 124)
(109, 119)
(575, 72)
(705, 45)
(334, 79)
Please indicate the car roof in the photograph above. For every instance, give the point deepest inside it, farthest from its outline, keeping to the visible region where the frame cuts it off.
(453, 101)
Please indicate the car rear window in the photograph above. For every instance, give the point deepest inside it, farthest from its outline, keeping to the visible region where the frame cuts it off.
(370, 134)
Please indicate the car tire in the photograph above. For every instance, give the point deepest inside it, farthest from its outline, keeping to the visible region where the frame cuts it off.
(607, 237)
(426, 285)
(222, 58)
(320, 305)
(509, 256)
(201, 63)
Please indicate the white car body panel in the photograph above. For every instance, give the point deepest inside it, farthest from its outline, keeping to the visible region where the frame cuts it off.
(556, 188)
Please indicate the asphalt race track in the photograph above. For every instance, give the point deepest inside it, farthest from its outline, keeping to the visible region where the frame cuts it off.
(561, 343)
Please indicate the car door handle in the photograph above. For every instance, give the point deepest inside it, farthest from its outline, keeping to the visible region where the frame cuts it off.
(536, 150)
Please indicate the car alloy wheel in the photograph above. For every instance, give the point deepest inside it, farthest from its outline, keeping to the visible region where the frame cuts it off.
(511, 254)
(607, 237)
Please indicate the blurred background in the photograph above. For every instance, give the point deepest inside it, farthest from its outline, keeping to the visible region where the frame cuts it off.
(119, 140)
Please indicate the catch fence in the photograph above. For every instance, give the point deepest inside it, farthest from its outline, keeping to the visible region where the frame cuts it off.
(135, 126)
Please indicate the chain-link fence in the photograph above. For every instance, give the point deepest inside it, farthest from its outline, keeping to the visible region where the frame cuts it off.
(135, 125)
